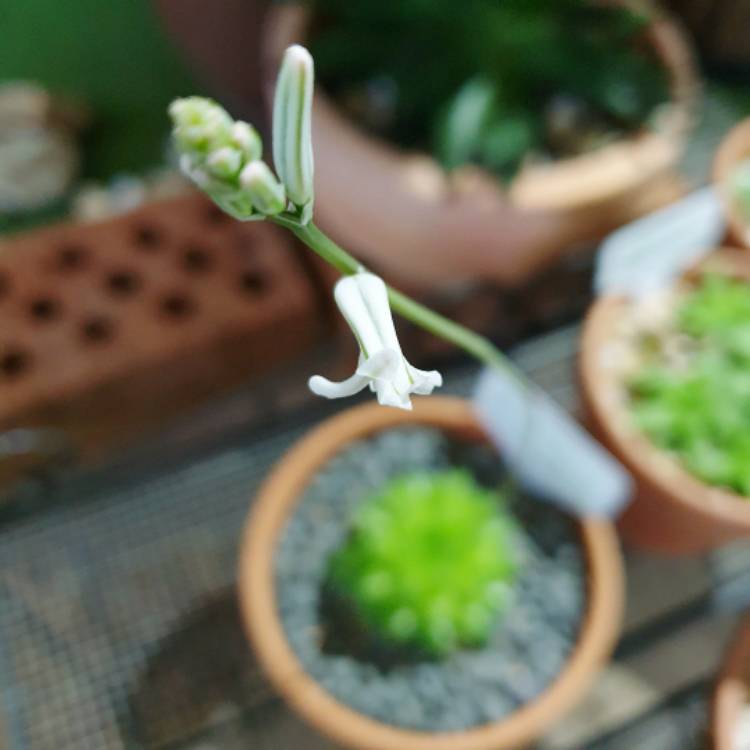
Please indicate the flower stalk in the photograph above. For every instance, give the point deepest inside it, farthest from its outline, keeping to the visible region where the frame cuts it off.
(479, 347)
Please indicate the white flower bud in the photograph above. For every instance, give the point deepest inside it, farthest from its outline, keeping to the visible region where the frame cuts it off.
(199, 123)
(292, 138)
(224, 163)
(263, 189)
(245, 137)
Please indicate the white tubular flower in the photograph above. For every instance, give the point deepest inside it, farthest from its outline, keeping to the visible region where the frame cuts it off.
(292, 138)
(363, 301)
(263, 189)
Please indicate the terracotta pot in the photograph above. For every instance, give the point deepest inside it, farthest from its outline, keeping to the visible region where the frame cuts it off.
(732, 692)
(672, 511)
(465, 223)
(276, 502)
(734, 149)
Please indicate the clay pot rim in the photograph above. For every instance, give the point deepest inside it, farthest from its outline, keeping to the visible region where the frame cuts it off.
(609, 172)
(636, 451)
(276, 501)
(732, 689)
(733, 149)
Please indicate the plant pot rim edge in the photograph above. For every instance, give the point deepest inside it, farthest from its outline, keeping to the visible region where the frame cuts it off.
(276, 501)
(634, 159)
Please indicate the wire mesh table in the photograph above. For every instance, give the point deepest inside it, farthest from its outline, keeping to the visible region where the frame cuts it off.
(118, 622)
(118, 625)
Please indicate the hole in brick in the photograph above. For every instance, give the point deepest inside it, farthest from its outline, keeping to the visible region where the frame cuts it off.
(177, 306)
(72, 257)
(14, 362)
(44, 309)
(148, 238)
(253, 283)
(123, 283)
(196, 259)
(97, 330)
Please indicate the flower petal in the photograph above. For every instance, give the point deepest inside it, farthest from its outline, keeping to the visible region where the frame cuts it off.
(375, 295)
(354, 308)
(383, 365)
(321, 386)
(389, 396)
(424, 381)
(382, 370)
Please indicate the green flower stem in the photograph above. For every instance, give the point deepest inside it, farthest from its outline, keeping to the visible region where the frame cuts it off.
(477, 346)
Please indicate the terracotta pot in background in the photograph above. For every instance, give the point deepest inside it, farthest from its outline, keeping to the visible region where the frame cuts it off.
(732, 691)
(672, 511)
(734, 149)
(277, 500)
(220, 40)
(399, 209)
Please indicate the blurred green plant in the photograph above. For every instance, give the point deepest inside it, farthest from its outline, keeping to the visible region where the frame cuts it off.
(113, 56)
(698, 408)
(740, 188)
(485, 81)
(430, 561)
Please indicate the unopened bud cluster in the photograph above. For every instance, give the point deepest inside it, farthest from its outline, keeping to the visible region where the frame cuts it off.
(223, 157)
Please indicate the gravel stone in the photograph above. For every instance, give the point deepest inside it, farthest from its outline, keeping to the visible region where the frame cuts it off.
(533, 637)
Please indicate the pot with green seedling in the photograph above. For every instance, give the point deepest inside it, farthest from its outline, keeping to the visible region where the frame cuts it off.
(493, 136)
(399, 590)
(665, 381)
(732, 176)
(401, 596)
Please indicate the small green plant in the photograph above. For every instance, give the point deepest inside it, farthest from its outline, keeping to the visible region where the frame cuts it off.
(430, 561)
(487, 81)
(697, 405)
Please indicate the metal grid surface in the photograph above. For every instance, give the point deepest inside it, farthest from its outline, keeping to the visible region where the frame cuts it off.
(118, 623)
(93, 585)
(118, 627)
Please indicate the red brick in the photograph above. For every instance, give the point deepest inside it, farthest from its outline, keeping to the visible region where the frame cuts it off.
(107, 329)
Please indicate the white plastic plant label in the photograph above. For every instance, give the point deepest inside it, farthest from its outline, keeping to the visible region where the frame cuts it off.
(647, 254)
(550, 454)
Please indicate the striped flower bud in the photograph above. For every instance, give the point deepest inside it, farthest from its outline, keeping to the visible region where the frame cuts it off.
(292, 138)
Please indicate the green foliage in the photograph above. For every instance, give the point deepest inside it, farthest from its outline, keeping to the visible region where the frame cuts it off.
(430, 561)
(718, 309)
(474, 78)
(700, 411)
(115, 56)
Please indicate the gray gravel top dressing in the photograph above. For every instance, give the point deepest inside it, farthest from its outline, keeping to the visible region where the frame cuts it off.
(532, 639)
